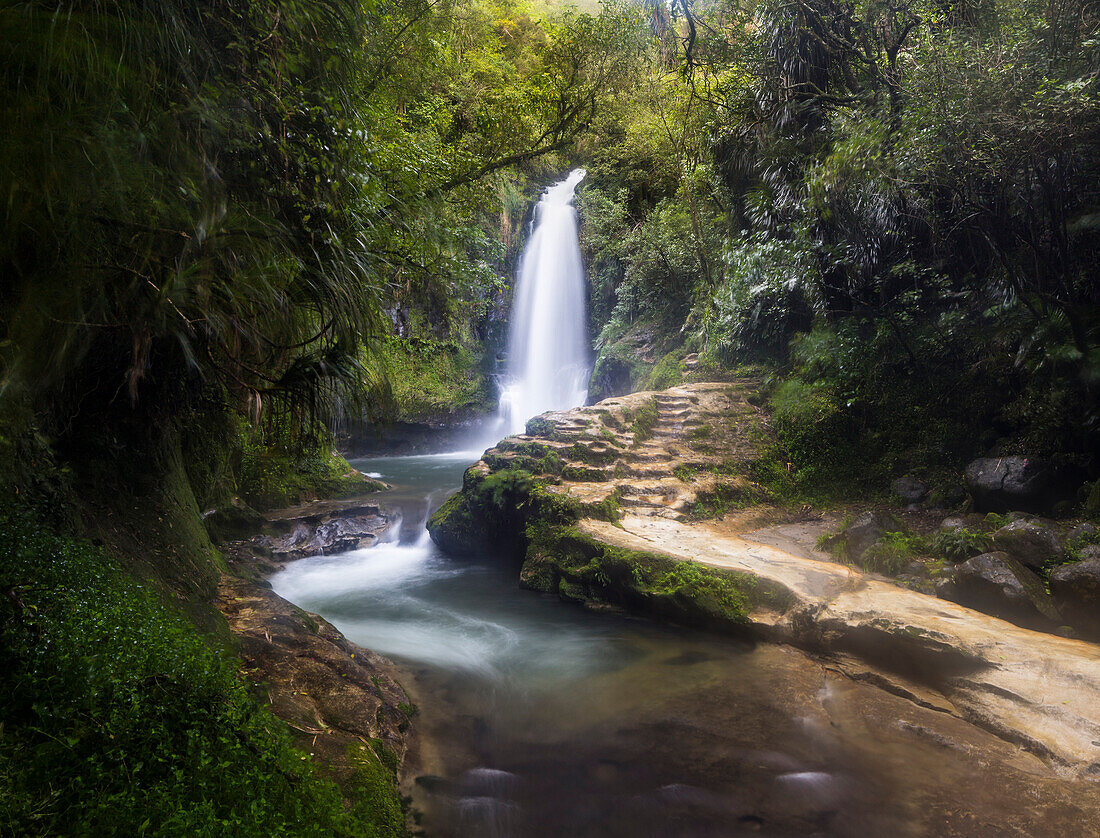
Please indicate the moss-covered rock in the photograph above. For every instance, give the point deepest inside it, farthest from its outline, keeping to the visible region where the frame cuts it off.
(456, 528)
(578, 568)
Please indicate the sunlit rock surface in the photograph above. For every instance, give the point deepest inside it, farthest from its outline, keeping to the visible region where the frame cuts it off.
(640, 474)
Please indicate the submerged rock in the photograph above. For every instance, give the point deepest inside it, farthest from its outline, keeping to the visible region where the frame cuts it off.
(1076, 589)
(999, 585)
(1029, 543)
(1030, 484)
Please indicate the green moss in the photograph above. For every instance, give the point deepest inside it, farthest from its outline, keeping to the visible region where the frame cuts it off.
(431, 379)
(685, 472)
(701, 432)
(666, 373)
(584, 474)
(717, 501)
(541, 427)
(586, 454)
(373, 789)
(550, 464)
(563, 560)
(276, 472)
(644, 420)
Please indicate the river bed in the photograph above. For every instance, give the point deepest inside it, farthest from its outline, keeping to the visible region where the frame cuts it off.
(542, 718)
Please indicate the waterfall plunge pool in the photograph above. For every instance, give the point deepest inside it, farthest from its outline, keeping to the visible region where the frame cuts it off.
(541, 718)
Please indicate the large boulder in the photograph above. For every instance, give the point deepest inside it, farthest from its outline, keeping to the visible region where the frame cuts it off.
(999, 585)
(910, 489)
(1030, 484)
(1029, 543)
(1076, 591)
(863, 533)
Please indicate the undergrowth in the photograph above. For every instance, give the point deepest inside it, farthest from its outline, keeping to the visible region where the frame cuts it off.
(120, 720)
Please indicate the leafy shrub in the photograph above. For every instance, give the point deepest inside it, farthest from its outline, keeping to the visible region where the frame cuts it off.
(891, 553)
(958, 545)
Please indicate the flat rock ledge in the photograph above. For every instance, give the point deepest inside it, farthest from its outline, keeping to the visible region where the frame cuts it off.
(627, 475)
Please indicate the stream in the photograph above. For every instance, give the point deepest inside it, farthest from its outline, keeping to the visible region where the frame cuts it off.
(546, 719)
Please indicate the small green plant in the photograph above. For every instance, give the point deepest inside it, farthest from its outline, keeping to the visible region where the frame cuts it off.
(958, 545)
(891, 553)
(645, 420)
(685, 472)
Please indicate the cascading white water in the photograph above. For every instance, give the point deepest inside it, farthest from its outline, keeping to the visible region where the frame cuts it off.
(548, 365)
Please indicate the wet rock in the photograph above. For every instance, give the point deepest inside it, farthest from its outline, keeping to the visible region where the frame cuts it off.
(1029, 543)
(335, 696)
(1030, 484)
(322, 533)
(1076, 590)
(910, 489)
(999, 585)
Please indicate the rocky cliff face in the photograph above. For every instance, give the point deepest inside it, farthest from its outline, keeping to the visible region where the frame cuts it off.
(607, 505)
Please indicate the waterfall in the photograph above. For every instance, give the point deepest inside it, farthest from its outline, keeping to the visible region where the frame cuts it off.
(547, 338)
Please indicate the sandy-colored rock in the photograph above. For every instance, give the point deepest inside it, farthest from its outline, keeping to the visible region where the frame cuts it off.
(693, 457)
(1035, 689)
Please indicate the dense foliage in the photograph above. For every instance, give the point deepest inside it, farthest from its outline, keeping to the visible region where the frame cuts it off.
(895, 202)
(227, 224)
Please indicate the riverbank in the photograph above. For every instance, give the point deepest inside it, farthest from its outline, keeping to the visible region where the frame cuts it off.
(607, 505)
(537, 718)
(344, 705)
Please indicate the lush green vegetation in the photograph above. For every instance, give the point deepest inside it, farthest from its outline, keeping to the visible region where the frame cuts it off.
(563, 560)
(892, 205)
(228, 226)
(120, 720)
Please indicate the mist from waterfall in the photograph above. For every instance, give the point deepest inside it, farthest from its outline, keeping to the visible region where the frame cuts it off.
(548, 358)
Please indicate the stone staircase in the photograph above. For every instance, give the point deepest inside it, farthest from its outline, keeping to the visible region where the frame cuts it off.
(657, 454)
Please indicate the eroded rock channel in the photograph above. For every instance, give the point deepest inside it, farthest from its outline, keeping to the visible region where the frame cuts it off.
(540, 718)
(598, 505)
